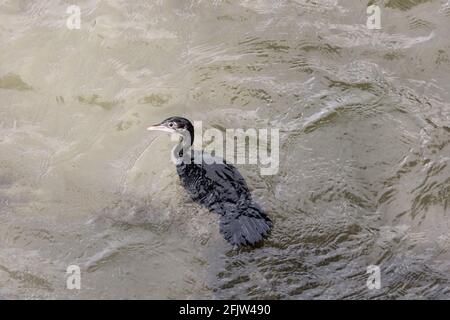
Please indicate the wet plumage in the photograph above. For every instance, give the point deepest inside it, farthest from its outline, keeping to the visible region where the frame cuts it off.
(219, 187)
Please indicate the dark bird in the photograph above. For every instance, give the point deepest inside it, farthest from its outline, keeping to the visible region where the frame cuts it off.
(218, 186)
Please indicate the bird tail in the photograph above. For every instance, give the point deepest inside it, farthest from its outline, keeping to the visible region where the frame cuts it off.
(245, 226)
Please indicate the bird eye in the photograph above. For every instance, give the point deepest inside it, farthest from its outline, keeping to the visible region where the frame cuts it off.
(171, 124)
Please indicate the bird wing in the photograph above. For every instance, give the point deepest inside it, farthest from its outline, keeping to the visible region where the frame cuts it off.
(222, 189)
(245, 226)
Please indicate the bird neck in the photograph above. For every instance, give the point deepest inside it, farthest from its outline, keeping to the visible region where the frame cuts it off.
(182, 151)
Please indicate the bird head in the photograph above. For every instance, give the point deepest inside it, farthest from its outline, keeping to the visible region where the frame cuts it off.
(177, 125)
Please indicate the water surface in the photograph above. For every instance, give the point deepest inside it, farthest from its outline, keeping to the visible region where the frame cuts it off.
(364, 173)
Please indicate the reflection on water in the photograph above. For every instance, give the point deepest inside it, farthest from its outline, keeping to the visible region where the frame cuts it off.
(364, 173)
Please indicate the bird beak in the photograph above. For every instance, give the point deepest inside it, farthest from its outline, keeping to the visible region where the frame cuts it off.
(159, 127)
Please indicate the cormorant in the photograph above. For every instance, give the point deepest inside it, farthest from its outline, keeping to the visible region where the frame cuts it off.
(218, 186)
